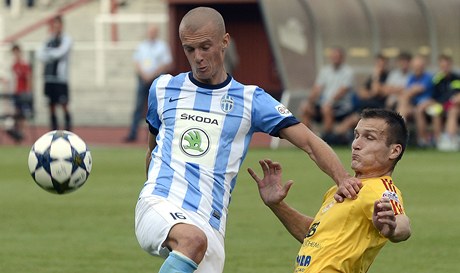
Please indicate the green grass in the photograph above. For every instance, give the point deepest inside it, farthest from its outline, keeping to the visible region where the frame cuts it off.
(91, 230)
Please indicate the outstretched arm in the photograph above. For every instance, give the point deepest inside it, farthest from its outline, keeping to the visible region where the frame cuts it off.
(273, 192)
(394, 227)
(326, 159)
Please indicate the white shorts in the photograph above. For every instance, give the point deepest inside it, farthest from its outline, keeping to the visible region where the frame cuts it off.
(154, 218)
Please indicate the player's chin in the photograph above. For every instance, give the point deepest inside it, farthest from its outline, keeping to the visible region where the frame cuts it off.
(203, 76)
(355, 165)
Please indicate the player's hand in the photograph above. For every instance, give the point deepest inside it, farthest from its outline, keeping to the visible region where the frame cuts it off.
(348, 188)
(271, 189)
(384, 218)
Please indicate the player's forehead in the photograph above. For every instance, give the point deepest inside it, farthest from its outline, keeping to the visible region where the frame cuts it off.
(196, 36)
(372, 125)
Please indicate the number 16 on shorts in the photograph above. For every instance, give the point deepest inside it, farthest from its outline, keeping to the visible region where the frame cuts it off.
(177, 216)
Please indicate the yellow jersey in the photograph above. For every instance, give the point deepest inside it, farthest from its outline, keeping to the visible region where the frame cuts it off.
(342, 237)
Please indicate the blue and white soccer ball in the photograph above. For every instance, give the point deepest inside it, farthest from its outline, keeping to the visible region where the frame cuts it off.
(60, 162)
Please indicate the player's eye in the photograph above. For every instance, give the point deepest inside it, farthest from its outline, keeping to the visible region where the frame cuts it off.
(370, 137)
(188, 49)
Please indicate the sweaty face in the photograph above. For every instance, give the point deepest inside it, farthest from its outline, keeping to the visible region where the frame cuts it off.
(204, 49)
(371, 156)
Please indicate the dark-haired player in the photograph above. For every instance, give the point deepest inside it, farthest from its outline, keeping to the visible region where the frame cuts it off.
(346, 237)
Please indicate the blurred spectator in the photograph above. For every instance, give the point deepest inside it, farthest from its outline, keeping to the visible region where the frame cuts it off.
(55, 54)
(370, 95)
(445, 105)
(29, 3)
(231, 59)
(330, 99)
(22, 97)
(152, 58)
(416, 97)
(397, 79)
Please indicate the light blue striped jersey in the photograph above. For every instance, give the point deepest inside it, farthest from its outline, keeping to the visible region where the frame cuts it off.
(203, 133)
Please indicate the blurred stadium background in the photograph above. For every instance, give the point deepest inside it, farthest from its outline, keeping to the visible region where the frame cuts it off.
(281, 44)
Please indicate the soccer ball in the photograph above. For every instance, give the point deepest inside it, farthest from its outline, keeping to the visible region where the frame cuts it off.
(60, 162)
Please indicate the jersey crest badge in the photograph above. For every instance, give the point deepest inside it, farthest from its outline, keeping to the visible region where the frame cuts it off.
(226, 103)
(391, 195)
(283, 110)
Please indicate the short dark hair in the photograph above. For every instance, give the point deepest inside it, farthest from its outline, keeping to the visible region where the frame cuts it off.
(405, 55)
(445, 57)
(15, 47)
(397, 132)
(380, 56)
(57, 18)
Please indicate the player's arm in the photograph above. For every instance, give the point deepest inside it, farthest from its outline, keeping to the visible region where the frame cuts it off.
(414, 90)
(326, 159)
(273, 192)
(340, 93)
(148, 156)
(164, 68)
(394, 227)
(314, 94)
(59, 52)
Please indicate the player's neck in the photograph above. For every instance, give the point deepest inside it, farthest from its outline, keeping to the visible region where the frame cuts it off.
(372, 174)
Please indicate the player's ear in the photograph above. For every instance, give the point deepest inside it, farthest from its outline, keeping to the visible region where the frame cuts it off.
(225, 41)
(395, 151)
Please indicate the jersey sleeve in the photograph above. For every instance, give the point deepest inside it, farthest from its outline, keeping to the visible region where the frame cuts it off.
(384, 188)
(269, 115)
(152, 117)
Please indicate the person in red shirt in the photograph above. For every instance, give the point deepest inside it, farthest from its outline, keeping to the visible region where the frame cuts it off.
(22, 97)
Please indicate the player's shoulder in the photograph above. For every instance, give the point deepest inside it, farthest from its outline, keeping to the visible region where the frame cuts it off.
(379, 186)
(168, 79)
(239, 84)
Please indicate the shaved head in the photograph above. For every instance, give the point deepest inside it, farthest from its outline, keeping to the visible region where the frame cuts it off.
(200, 17)
(204, 40)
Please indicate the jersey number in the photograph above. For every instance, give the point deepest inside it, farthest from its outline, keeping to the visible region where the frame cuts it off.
(177, 215)
(312, 230)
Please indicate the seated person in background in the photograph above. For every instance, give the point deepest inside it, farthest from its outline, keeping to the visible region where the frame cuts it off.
(445, 104)
(330, 99)
(370, 95)
(416, 97)
(397, 79)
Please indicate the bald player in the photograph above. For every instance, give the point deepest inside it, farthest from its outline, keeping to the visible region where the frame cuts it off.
(201, 123)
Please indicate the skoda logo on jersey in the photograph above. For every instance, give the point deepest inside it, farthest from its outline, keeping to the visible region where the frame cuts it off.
(194, 142)
(226, 103)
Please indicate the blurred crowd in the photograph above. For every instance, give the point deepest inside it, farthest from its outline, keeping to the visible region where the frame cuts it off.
(430, 102)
